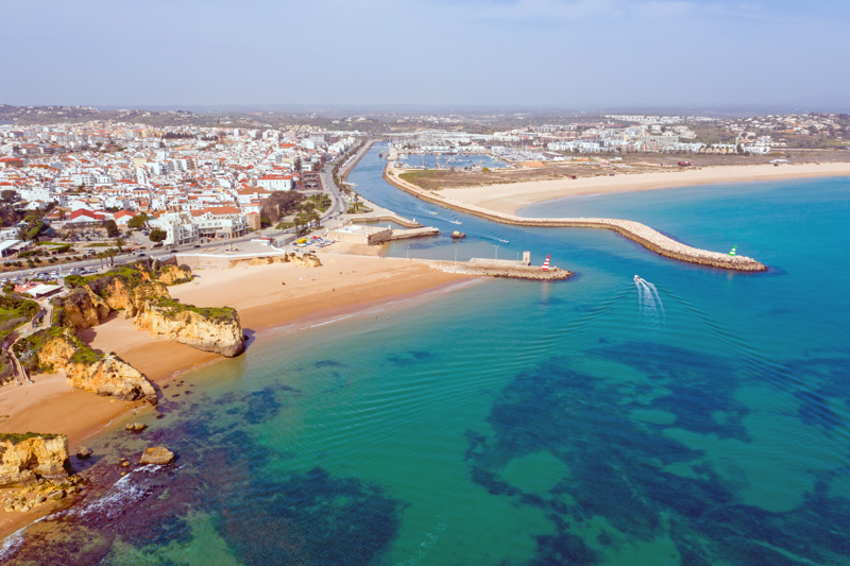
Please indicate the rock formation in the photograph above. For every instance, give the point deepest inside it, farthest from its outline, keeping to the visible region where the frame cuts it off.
(210, 329)
(114, 377)
(159, 455)
(139, 292)
(59, 349)
(30, 456)
(171, 274)
(34, 471)
(305, 260)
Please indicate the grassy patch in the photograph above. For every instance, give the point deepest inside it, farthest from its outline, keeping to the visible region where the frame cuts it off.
(173, 308)
(15, 311)
(16, 437)
(27, 349)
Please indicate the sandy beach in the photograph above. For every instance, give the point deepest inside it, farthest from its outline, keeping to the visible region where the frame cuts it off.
(510, 198)
(266, 296)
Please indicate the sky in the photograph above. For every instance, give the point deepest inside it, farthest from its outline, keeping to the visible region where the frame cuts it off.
(567, 54)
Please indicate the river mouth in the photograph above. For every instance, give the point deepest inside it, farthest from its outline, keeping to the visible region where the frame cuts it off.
(699, 418)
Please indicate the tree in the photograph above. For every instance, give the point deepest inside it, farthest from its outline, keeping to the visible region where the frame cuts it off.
(9, 196)
(119, 243)
(157, 235)
(112, 229)
(139, 221)
(32, 230)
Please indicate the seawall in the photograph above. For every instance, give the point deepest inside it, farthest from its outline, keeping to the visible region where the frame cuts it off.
(636, 231)
(496, 269)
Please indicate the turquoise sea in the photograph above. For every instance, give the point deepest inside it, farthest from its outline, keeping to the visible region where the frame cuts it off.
(587, 422)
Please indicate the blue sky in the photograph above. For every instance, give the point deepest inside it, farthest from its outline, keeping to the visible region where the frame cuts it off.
(583, 54)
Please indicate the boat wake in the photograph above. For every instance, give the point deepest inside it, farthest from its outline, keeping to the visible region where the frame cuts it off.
(649, 301)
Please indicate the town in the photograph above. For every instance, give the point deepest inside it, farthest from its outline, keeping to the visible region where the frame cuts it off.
(81, 188)
(91, 191)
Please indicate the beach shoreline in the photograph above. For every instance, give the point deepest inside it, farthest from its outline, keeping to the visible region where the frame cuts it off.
(511, 198)
(345, 285)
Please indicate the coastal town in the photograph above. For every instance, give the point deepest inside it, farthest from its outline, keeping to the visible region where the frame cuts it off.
(132, 252)
(73, 190)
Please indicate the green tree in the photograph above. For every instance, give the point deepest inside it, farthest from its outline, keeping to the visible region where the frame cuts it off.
(157, 235)
(112, 229)
(139, 221)
(32, 230)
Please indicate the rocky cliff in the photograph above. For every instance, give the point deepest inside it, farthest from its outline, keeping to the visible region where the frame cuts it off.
(34, 471)
(30, 456)
(210, 329)
(59, 349)
(140, 293)
(171, 274)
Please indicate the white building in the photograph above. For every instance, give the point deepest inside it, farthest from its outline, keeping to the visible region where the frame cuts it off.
(276, 182)
(220, 222)
(178, 226)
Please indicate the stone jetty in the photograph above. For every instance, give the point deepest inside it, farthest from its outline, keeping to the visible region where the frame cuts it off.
(636, 231)
(501, 268)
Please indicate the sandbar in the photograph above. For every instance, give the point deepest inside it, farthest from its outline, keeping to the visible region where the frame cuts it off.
(512, 197)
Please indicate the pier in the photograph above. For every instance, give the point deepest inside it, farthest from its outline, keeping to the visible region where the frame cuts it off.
(636, 231)
(500, 268)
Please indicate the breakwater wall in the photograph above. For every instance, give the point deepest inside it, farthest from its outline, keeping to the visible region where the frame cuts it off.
(636, 231)
(422, 232)
(498, 269)
(401, 221)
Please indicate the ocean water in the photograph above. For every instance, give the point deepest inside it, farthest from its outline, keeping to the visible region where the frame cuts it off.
(586, 422)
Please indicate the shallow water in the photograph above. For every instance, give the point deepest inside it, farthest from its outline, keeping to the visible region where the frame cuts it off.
(512, 422)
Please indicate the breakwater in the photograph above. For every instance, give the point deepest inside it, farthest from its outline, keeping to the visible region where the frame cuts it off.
(498, 268)
(638, 232)
(400, 220)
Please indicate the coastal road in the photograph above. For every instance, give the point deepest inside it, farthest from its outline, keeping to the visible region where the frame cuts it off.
(338, 203)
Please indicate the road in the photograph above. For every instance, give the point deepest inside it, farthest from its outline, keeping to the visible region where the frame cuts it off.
(337, 208)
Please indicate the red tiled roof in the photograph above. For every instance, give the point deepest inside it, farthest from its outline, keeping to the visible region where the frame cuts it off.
(86, 213)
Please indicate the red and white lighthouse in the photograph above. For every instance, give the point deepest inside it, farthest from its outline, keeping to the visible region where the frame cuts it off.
(546, 263)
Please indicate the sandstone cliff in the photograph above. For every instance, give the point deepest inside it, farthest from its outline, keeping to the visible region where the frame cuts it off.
(210, 329)
(171, 274)
(30, 456)
(59, 349)
(139, 292)
(34, 471)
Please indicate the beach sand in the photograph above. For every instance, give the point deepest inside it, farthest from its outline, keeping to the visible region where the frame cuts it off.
(510, 198)
(343, 284)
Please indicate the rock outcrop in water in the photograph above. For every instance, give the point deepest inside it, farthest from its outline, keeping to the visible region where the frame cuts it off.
(34, 471)
(140, 293)
(59, 349)
(157, 455)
